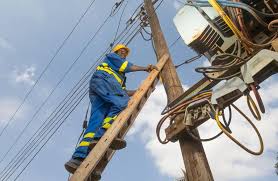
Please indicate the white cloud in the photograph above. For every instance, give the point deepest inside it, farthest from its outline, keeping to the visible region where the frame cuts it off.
(26, 76)
(224, 155)
(166, 157)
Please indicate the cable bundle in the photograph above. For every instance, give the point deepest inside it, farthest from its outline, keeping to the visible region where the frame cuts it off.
(214, 113)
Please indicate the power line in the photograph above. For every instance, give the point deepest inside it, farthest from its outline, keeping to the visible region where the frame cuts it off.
(47, 66)
(52, 91)
(23, 157)
(172, 44)
(118, 27)
(56, 86)
(189, 60)
(41, 135)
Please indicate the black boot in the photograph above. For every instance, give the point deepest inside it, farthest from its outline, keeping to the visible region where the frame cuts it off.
(73, 164)
(96, 175)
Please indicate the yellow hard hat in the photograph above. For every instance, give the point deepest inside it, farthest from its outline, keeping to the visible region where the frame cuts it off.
(120, 46)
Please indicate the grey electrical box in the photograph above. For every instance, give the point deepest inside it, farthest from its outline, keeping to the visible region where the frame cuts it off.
(260, 67)
(230, 91)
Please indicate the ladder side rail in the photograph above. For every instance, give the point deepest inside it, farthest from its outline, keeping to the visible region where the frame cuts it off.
(95, 156)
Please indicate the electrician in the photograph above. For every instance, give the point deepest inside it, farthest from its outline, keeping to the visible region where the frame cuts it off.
(108, 98)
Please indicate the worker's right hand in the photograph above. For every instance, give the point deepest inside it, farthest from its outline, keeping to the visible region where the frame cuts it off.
(150, 67)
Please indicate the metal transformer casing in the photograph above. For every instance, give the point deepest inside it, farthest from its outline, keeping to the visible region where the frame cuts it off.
(204, 31)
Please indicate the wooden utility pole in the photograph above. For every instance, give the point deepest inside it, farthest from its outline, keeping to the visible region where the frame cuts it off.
(196, 164)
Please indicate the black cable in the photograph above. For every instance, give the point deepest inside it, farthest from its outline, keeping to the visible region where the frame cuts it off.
(11, 167)
(118, 27)
(132, 35)
(189, 60)
(172, 44)
(80, 99)
(115, 9)
(49, 96)
(33, 145)
(56, 86)
(47, 66)
(45, 126)
(129, 41)
(143, 36)
(227, 124)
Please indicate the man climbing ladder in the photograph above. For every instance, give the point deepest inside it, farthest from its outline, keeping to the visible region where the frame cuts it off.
(108, 98)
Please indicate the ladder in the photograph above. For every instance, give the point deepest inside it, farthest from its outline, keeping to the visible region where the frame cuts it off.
(100, 155)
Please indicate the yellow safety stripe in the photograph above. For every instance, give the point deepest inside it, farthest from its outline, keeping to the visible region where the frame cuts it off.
(89, 135)
(123, 66)
(84, 143)
(228, 21)
(106, 125)
(105, 64)
(225, 17)
(107, 120)
(110, 71)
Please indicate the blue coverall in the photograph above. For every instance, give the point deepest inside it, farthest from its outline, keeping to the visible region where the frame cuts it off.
(108, 98)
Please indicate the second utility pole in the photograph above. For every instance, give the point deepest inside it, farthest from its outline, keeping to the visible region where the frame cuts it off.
(196, 164)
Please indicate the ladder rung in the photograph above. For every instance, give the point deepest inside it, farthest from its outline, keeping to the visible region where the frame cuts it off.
(94, 159)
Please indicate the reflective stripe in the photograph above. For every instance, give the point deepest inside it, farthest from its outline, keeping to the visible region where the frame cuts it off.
(105, 64)
(123, 66)
(89, 135)
(84, 143)
(110, 71)
(106, 125)
(108, 119)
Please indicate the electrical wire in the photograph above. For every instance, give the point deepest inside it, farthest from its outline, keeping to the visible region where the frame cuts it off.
(47, 66)
(258, 97)
(73, 108)
(174, 42)
(58, 83)
(197, 57)
(255, 13)
(253, 107)
(243, 6)
(178, 109)
(272, 26)
(227, 124)
(118, 26)
(260, 151)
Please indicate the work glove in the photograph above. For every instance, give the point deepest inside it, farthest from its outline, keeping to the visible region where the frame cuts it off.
(150, 67)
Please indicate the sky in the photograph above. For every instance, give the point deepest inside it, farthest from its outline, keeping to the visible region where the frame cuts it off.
(32, 30)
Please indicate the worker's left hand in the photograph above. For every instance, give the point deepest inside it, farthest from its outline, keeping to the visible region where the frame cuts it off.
(150, 67)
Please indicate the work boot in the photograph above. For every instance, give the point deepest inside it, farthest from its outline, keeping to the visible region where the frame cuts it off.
(96, 175)
(73, 164)
(117, 144)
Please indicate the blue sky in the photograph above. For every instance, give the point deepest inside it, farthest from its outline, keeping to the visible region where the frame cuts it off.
(30, 33)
